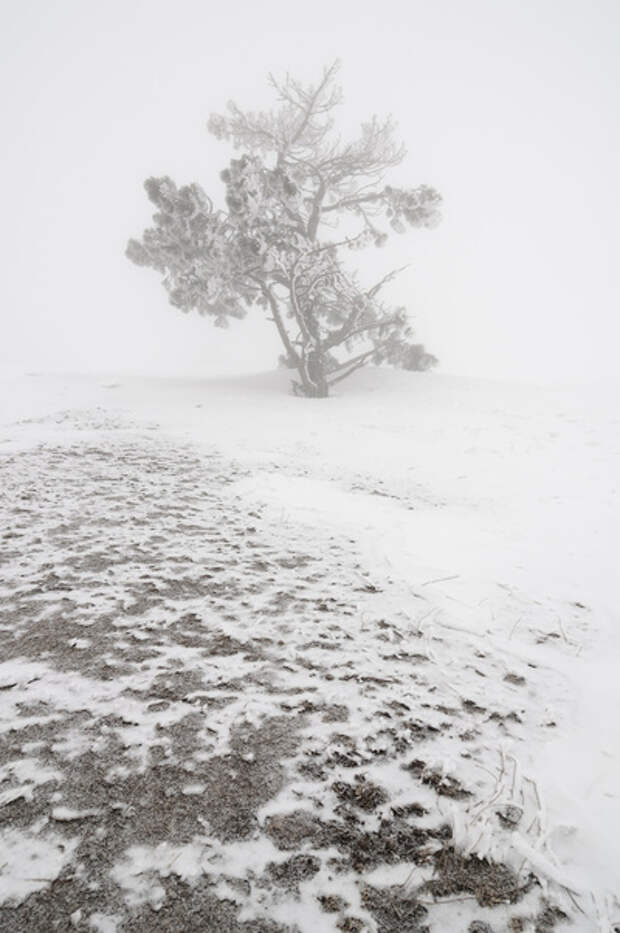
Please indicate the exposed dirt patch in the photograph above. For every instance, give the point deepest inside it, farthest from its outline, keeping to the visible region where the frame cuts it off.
(394, 910)
(332, 903)
(364, 794)
(294, 870)
(194, 909)
(394, 841)
(444, 784)
(515, 679)
(548, 918)
(490, 883)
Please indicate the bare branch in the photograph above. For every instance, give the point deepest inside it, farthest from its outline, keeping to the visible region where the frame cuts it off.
(273, 304)
(362, 356)
(352, 203)
(349, 372)
(376, 325)
(386, 278)
(356, 363)
(313, 222)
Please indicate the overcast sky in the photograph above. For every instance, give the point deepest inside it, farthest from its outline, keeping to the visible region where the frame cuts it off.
(509, 107)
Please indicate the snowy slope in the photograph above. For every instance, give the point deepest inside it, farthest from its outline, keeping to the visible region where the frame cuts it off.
(491, 511)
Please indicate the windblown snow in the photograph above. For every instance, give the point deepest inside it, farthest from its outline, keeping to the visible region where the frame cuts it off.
(273, 664)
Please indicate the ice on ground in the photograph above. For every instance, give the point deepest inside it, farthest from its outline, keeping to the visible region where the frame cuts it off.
(489, 515)
(141, 867)
(30, 862)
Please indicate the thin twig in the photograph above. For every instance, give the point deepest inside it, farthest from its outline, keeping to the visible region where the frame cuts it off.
(441, 580)
(513, 629)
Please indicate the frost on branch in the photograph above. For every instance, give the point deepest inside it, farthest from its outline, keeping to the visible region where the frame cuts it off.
(298, 200)
(190, 245)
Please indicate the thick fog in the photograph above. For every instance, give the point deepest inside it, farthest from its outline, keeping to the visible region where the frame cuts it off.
(268, 660)
(508, 109)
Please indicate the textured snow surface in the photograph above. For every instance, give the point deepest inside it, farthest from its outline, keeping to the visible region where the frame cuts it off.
(266, 661)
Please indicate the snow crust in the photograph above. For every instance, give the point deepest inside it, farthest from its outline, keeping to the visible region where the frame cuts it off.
(30, 862)
(498, 502)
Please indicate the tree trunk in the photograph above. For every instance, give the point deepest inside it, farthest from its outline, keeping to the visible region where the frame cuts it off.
(313, 376)
(315, 365)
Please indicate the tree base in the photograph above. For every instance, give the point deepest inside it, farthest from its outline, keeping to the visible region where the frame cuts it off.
(310, 391)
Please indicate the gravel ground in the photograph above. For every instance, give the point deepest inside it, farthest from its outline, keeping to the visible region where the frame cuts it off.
(209, 722)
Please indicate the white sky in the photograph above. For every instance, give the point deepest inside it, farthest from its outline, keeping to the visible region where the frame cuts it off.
(509, 107)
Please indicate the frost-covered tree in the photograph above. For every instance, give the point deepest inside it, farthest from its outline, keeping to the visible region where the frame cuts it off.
(299, 199)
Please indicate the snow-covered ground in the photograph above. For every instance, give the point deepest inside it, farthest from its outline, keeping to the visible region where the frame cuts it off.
(488, 517)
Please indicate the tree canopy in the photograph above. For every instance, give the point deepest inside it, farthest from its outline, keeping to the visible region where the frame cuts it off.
(299, 199)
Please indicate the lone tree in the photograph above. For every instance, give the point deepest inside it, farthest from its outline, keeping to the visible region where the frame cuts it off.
(294, 180)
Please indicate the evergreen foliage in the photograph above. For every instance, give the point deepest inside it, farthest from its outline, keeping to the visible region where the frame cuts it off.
(293, 180)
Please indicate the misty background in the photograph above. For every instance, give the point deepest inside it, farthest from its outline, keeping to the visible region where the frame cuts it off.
(509, 109)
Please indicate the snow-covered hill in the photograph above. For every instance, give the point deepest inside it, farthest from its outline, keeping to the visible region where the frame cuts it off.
(487, 517)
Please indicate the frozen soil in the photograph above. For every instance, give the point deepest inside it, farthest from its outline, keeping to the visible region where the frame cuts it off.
(210, 720)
